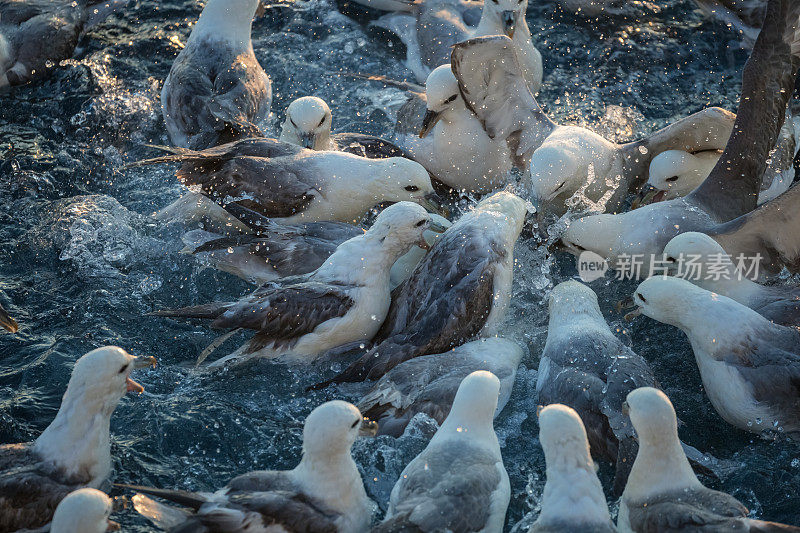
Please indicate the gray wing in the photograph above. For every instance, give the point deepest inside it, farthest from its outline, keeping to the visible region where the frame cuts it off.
(40, 35)
(768, 82)
(209, 88)
(494, 88)
(772, 230)
(439, 26)
(784, 311)
(449, 488)
(282, 314)
(29, 490)
(700, 510)
(444, 303)
(571, 526)
(367, 146)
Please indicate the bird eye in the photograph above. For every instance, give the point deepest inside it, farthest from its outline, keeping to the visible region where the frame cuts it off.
(495, 1)
(123, 369)
(673, 178)
(421, 222)
(642, 298)
(411, 188)
(321, 121)
(354, 424)
(292, 121)
(451, 99)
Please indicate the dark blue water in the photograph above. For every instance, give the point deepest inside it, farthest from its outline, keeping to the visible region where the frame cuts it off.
(82, 261)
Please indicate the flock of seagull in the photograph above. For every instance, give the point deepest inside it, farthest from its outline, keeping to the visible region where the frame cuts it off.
(422, 298)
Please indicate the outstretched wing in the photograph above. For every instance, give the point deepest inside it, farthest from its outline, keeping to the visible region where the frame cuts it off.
(768, 81)
(494, 88)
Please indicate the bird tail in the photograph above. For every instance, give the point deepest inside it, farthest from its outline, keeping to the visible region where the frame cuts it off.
(208, 311)
(759, 526)
(402, 85)
(192, 500)
(177, 155)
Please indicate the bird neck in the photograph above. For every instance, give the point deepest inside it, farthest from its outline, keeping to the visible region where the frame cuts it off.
(332, 478)
(572, 484)
(475, 423)
(660, 466)
(78, 439)
(742, 290)
(227, 20)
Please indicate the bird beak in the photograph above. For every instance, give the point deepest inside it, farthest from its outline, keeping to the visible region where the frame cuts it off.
(436, 227)
(432, 202)
(626, 409)
(139, 362)
(369, 428)
(627, 303)
(8, 323)
(509, 23)
(430, 120)
(112, 526)
(648, 195)
(633, 314)
(308, 140)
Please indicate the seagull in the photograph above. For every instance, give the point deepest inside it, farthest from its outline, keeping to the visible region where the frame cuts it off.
(458, 482)
(429, 383)
(438, 130)
(6, 322)
(459, 292)
(573, 498)
(216, 90)
(324, 492)
(731, 190)
(718, 272)
(750, 367)
(586, 367)
(36, 35)
(568, 164)
(84, 511)
(429, 28)
(676, 173)
(308, 124)
(663, 494)
(343, 301)
(293, 184)
(74, 451)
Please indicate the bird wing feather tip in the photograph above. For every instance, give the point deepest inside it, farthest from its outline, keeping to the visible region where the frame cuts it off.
(162, 516)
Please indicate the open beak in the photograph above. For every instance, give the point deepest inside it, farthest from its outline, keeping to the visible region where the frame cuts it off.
(633, 314)
(369, 428)
(112, 526)
(430, 120)
(648, 195)
(6, 322)
(308, 140)
(509, 23)
(139, 362)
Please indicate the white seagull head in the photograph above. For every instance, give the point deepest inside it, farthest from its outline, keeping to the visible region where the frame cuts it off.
(396, 179)
(571, 297)
(402, 225)
(332, 428)
(563, 438)
(652, 415)
(507, 14)
(83, 511)
(696, 248)
(675, 172)
(308, 123)
(442, 93)
(474, 405)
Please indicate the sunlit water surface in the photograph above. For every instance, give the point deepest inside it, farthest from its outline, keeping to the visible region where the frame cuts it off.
(82, 261)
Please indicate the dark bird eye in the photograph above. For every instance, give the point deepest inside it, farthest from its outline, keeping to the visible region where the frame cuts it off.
(123, 369)
(354, 424)
(673, 178)
(411, 188)
(292, 121)
(321, 121)
(451, 99)
(642, 298)
(421, 222)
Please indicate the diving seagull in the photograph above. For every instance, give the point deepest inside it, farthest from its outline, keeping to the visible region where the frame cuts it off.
(324, 492)
(721, 273)
(750, 366)
(676, 173)
(85, 510)
(276, 250)
(429, 383)
(429, 28)
(293, 184)
(663, 494)
(459, 292)
(36, 35)
(586, 367)
(458, 482)
(573, 498)
(74, 451)
(732, 188)
(343, 301)
(308, 124)
(216, 90)
(569, 165)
